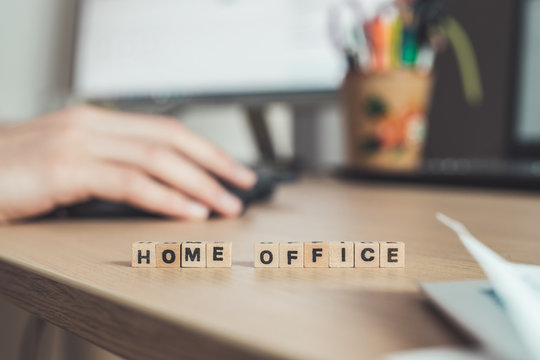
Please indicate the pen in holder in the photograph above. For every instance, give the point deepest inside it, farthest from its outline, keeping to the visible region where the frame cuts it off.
(385, 115)
(387, 89)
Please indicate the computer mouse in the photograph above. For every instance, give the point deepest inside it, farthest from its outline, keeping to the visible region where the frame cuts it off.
(96, 208)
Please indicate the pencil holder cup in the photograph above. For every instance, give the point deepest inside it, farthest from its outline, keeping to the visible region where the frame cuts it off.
(386, 119)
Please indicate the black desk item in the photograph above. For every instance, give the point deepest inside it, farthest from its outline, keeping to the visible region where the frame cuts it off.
(483, 173)
(95, 208)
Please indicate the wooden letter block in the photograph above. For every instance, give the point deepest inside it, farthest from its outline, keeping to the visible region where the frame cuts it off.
(392, 254)
(143, 254)
(341, 254)
(168, 254)
(316, 254)
(266, 254)
(193, 254)
(291, 254)
(366, 254)
(218, 254)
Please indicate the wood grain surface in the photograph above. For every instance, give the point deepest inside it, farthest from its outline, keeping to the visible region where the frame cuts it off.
(77, 274)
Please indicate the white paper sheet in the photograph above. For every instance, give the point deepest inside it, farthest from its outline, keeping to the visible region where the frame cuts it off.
(517, 285)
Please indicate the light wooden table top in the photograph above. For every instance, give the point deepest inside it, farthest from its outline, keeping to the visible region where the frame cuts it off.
(77, 275)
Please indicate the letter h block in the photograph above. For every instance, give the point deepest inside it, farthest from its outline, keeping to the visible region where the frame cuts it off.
(143, 254)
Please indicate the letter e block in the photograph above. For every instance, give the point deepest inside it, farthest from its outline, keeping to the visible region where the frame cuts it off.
(193, 254)
(266, 254)
(316, 254)
(291, 254)
(168, 254)
(392, 254)
(341, 254)
(218, 254)
(143, 254)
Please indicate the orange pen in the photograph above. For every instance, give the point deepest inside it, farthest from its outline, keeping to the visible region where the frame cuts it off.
(381, 58)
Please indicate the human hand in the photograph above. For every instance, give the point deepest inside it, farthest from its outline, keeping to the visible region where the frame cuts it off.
(151, 162)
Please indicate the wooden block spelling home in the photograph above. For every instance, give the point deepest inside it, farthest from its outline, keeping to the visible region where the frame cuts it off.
(342, 254)
(194, 254)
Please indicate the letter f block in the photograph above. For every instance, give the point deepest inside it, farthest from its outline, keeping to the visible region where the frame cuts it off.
(291, 254)
(316, 254)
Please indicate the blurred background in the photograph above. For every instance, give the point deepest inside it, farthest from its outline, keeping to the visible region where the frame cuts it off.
(266, 81)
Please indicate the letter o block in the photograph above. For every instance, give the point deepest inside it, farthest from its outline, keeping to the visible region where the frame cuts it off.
(291, 254)
(193, 254)
(266, 254)
(316, 254)
(143, 254)
(366, 254)
(168, 254)
(392, 254)
(218, 254)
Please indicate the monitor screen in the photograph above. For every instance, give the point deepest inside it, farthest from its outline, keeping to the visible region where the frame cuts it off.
(132, 48)
(528, 104)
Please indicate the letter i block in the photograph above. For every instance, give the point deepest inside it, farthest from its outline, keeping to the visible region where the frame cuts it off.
(218, 254)
(266, 254)
(341, 254)
(316, 254)
(168, 254)
(366, 254)
(392, 254)
(193, 254)
(291, 254)
(143, 254)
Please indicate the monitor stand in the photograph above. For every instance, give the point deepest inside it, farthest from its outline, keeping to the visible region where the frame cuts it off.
(304, 141)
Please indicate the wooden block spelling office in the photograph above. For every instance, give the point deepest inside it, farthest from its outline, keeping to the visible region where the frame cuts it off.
(339, 254)
(315, 254)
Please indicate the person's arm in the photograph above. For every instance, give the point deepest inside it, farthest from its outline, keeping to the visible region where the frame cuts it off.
(151, 162)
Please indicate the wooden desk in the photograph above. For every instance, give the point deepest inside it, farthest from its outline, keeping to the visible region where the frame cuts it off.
(77, 275)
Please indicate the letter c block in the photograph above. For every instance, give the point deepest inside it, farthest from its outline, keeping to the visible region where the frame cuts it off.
(366, 254)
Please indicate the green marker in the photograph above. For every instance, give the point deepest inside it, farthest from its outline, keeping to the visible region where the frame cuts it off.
(409, 47)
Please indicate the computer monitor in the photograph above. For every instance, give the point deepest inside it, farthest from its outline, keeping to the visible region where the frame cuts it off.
(205, 49)
(526, 130)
